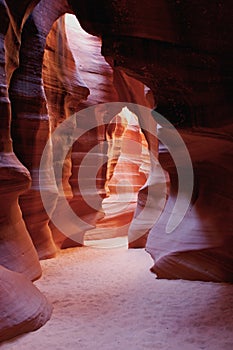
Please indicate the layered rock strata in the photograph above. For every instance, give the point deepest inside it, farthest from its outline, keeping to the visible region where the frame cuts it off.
(182, 52)
(30, 126)
(22, 307)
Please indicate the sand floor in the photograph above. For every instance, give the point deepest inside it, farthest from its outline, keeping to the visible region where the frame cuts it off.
(108, 299)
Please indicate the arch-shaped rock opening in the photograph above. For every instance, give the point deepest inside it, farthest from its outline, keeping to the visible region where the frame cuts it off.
(90, 80)
(166, 46)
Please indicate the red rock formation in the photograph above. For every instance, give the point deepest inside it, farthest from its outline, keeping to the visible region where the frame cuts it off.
(200, 248)
(64, 86)
(16, 249)
(166, 46)
(133, 91)
(98, 77)
(114, 85)
(182, 51)
(31, 121)
(127, 169)
(64, 90)
(169, 47)
(23, 307)
(92, 69)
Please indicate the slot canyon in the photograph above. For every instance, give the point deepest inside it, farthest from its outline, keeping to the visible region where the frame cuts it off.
(116, 172)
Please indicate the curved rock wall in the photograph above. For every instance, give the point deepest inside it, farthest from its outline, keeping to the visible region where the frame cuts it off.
(29, 113)
(182, 52)
(105, 85)
(22, 307)
(15, 244)
(65, 90)
(200, 248)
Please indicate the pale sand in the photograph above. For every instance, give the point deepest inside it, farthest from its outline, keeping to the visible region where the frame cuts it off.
(108, 299)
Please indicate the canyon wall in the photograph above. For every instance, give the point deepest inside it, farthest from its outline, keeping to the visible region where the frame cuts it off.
(182, 52)
(18, 256)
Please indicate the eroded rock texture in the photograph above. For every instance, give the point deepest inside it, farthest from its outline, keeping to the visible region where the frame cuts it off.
(89, 191)
(17, 251)
(182, 52)
(31, 121)
(174, 48)
(22, 306)
(105, 85)
(201, 246)
(65, 90)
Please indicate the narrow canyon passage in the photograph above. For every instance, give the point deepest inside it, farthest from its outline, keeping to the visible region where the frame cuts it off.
(107, 299)
(116, 133)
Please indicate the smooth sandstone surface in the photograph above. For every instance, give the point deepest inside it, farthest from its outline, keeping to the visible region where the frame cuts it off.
(23, 307)
(200, 248)
(182, 53)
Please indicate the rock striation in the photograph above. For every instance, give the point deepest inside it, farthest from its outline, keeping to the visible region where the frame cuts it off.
(29, 113)
(200, 248)
(182, 52)
(17, 252)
